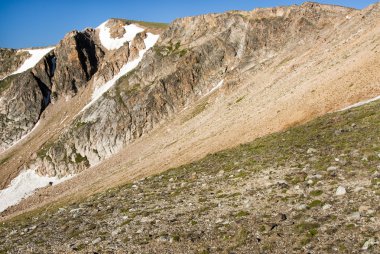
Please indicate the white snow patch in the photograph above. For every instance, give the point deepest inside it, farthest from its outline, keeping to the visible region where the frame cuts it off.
(215, 87)
(114, 43)
(23, 186)
(361, 103)
(99, 91)
(36, 56)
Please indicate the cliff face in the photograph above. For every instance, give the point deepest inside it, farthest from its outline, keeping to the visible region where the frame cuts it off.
(60, 72)
(76, 58)
(191, 57)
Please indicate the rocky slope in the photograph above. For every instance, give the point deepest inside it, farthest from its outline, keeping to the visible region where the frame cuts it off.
(192, 56)
(310, 189)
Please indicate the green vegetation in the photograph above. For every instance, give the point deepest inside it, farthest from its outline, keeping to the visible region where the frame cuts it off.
(42, 153)
(6, 83)
(196, 111)
(170, 49)
(78, 124)
(242, 214)
(307, 227)
(240, 99)
(315, 203)
(5, 159)
(79, 158)
(153, 25)
(316, 193)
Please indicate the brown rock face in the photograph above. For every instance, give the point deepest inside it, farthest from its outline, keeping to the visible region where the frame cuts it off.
(77, 59)
(116, 27)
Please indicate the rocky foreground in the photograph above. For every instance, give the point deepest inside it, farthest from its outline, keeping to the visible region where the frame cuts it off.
(311, 189)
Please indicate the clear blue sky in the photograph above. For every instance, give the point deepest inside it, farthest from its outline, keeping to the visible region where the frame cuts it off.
(28, 23)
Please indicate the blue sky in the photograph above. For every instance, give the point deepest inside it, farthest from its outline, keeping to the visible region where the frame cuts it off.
(29, 23)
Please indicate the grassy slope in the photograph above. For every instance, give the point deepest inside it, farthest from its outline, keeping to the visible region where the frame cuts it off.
(153, 25)
(269, 196)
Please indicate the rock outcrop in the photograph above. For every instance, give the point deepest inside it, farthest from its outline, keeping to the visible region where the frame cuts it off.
(20, 106)
(10, 60)
(77, 56)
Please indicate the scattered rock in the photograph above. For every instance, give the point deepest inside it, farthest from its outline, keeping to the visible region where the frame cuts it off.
(357, 189)
(97, 240)
(301, 207)
(326, 206)
(311, 150)
(354, 216)
(369, 243)
(340, 191)
(283, 184)
(332, 168)
(146, 220)
(364, 208)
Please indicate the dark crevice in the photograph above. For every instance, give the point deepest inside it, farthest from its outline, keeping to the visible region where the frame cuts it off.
(52, 60)
(46, 92)
(87, 55)
(74, 86)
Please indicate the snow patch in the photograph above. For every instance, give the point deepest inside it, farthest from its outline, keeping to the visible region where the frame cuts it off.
(361, 103)
(24, 185)
(36, 56)
(114, 43)
(150, 40)
(215, 87)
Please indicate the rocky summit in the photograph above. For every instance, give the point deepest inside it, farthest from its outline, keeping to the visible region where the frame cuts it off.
(237, 132)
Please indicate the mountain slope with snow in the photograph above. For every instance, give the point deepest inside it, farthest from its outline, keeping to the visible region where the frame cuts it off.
(110, 43)
(99, 91)
(35, 56)
(115, 104)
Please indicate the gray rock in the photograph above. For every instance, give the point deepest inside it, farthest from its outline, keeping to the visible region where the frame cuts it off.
(340, 191)
(369, 243)
(97, 240)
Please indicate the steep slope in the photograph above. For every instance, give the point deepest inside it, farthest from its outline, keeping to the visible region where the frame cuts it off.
(310, 189)
(204, 87)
